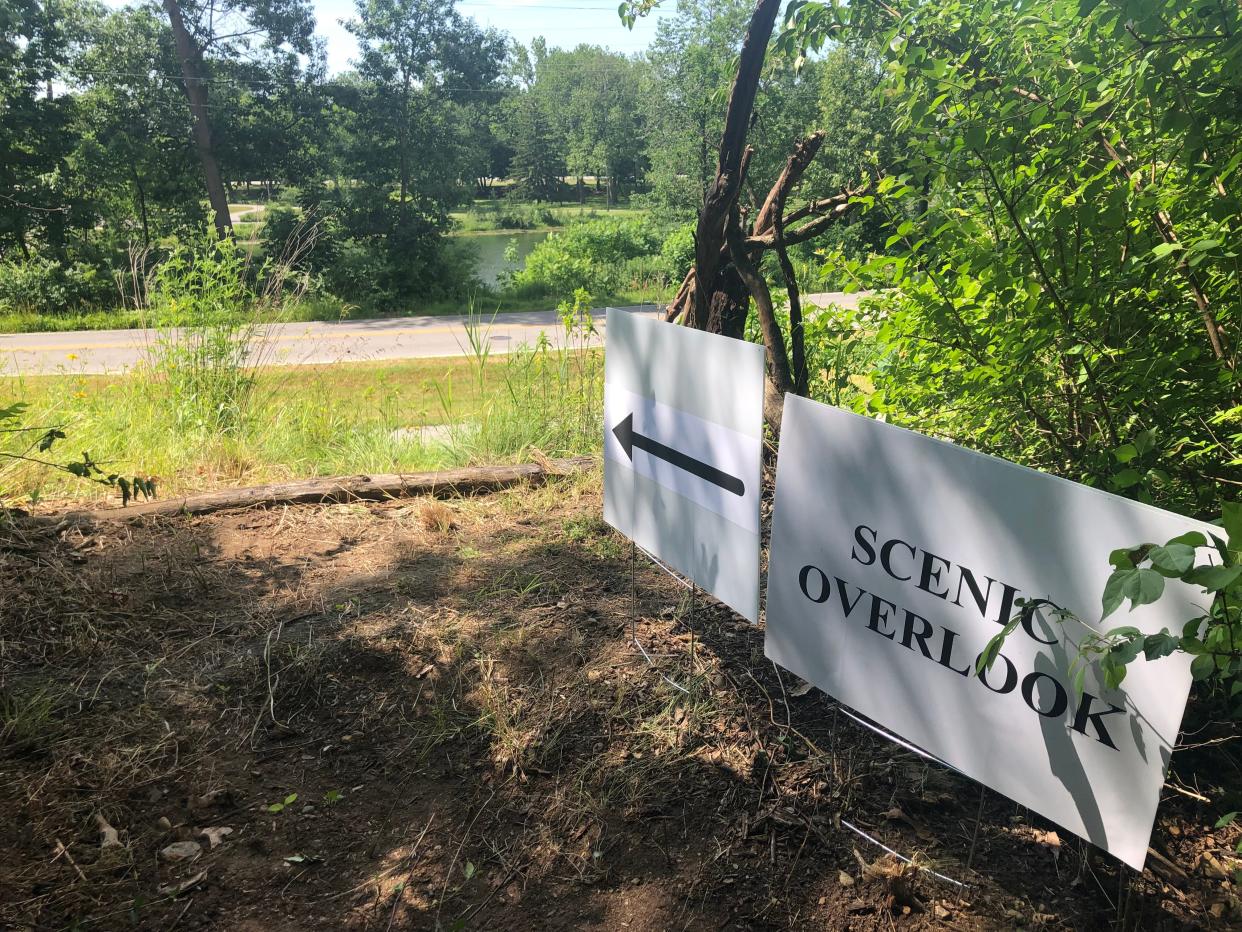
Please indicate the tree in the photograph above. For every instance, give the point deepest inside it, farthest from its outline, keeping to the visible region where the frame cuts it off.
(593, 99)
(265, 30)
(693, 60)
(537, 158)
(420, 52)
(35, 136)
(1062, 281)
(132, 159)
(717, 292)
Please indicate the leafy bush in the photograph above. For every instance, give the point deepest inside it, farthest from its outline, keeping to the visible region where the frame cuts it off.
(677, 252)
(412, 262)
(43, 285)
(512, 216)
(1214, 639)
(203, 357)
(595, 255)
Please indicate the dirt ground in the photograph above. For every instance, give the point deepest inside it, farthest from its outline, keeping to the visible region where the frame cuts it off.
(428, 715)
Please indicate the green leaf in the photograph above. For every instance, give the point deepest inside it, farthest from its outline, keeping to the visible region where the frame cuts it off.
(1226, 819)
(1113, 669)
(1165, 249)
(470, 869)
(1160, 645)
(1172, 559)
(1190, 539)
(1126, 452)
(1142, 587)
(1231, 520)
(1214, 578)
(989, 654)
(1202, 667)
(1127, 650)
(1113, 589)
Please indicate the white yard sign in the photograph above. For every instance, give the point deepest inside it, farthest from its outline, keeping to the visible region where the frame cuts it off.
(683, 446)
(895, 558)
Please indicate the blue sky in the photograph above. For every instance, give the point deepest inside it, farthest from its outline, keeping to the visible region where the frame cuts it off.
(564, 23)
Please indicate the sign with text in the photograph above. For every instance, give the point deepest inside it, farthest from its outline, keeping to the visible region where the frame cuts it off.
(683, 447)
(895, 558)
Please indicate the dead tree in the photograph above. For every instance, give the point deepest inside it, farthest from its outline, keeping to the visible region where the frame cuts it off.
(716, 293)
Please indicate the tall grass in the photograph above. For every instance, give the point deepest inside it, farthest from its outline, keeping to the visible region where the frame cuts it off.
(548, 397)
(196, 418)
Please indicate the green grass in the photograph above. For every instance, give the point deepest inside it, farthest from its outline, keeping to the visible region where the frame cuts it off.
(315, 421)
(481, 216)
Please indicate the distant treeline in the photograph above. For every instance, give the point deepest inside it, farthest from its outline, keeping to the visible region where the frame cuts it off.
(131, 129)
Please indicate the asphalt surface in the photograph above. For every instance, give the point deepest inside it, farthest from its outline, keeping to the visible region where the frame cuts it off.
(93, 352)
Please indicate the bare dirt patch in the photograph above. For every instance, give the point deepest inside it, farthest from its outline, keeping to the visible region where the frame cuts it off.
(422, 715)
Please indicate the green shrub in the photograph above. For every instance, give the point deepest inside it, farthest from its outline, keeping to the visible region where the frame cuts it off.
(502, 216)
(596, 255)
(202, 360)
(412, 263)
(41, 285)
(677, 252)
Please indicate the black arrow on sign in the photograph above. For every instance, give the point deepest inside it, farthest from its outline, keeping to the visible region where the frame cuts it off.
(629, 440)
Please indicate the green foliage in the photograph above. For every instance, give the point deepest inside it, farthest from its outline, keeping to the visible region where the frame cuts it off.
(1042, 293)
(550, 402)
(41, 284)
(22, 443)
(1213, 639)
(284, 804)
(510, 215)
(202, 362)
(602, 256)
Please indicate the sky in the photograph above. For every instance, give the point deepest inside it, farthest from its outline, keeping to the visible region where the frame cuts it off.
(564, 23)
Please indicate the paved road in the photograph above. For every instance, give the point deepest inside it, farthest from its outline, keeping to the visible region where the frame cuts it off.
(301, 344)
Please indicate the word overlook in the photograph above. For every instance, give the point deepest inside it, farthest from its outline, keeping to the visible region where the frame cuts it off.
(957, 585)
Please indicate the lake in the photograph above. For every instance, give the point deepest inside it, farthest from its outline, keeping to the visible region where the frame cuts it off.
(490, 248)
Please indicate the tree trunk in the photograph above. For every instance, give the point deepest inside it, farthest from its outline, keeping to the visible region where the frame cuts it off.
(722, 195)
(196, 92)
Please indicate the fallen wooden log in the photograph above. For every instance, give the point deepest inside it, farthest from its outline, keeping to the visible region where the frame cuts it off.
(343, 489)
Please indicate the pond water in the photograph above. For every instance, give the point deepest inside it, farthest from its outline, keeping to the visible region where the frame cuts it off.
(490, 249)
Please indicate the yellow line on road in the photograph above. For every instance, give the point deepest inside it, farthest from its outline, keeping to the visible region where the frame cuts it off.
(139, 344)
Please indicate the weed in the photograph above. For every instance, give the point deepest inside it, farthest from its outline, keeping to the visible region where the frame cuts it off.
(26, 720)
(284, 804)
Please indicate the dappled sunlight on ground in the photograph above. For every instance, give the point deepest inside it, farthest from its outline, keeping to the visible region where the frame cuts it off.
(427, 715)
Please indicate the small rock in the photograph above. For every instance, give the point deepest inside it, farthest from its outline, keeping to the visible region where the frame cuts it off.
(163, 824)
(214, 834)
(181, 851)
(844, 879)
(1213, 868)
